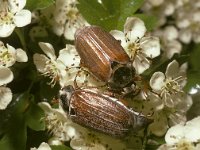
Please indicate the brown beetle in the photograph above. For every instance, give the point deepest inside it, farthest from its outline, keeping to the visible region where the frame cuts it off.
(101, 112)
(104, 56)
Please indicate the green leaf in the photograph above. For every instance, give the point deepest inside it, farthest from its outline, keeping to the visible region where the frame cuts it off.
(15, 133)
(194, 58)
(34, 117)
(38, 4)
(192, 80)
(110, 14)
(15, 137)
(127, 9)
(97, 14)
(92, 11)
(112, 6)
(60, 147)
(149, 21)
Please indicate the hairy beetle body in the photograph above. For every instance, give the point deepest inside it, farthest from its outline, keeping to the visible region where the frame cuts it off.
(103, 55)
(100, 112)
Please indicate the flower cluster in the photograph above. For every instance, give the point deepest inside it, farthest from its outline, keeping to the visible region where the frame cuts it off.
(8, 56)
(180, 20)
(13, 15)
(63, 18)
(183, 136)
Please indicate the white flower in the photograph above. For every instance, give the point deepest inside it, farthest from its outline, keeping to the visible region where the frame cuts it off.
(6, 76)
(13, 15)
(9, 55)
(5, 97)
(169, 40)
(43, 146)
(183, 136)
(169, 85)
(51, 66)
(139, 47)
(58, 123)
(67, 18)
(188, 21)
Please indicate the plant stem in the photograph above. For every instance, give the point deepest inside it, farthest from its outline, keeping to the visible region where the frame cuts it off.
(21, 38)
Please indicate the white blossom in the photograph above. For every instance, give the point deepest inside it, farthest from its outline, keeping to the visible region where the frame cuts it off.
(9, 55)
(43, 146)
(53, 67)
(67, 18)
(5, 97)
(139, 47)
(170, 43)
(188, 21)
(6, 76)
(58, 123)
(183, 136)
(13, 15)
(170, 85)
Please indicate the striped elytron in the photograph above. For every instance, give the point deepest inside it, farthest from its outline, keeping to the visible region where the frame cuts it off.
(101, 112)
(104, 56)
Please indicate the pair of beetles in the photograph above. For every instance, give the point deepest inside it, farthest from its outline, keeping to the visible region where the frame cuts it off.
(105, 58)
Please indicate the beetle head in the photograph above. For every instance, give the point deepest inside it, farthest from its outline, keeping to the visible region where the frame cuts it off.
(122, 76)
(65, 95)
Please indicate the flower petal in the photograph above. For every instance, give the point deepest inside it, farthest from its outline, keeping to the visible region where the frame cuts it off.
(40, 62)
(168, 100)
(155, 101)
(6, 75)
(69, 56)
(6, 30)
(150, 46)
(48, 50)
(160, 124)
(185, 36)
(172, 47)
(134, 28)
(140, 64)
(172, 69)
(58, 29)
(46, 107)
(22, 18)
(170, 33)
(192, 129)
(21, 55)
(119, 35)
(43, 146)
(157, 81)
(156, 2)
(69, 31)
(174, 134)
(16, 5)
(12, 53)
(5, 97)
